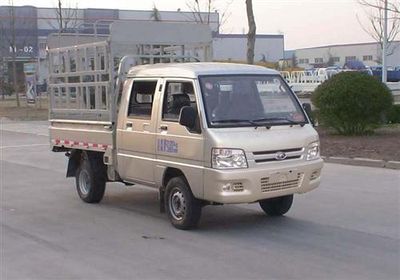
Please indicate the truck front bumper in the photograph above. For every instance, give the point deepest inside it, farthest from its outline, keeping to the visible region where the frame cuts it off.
(261, 182)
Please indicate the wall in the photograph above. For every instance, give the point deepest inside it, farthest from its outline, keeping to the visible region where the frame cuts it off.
(47, 17)
(26, 36)
(234, 47)
(341, 51)
(48, 22)
(169, 16)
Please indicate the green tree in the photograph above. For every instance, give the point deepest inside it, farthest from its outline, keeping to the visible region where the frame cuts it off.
(352, 103)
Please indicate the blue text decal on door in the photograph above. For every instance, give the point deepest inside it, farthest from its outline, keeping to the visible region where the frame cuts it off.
(167, 146)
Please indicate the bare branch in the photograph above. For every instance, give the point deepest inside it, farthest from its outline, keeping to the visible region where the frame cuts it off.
(66, 17)
(225, 15)
(377, 4)
(201, 11)
(375, 10)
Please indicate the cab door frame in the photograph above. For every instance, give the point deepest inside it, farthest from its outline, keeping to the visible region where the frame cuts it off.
(176, 146)
(136, 137)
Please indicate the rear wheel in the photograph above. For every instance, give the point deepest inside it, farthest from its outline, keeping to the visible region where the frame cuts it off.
(277, 206)
(183, 209)
(91, 178)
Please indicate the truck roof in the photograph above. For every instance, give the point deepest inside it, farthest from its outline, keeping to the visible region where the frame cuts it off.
(193, 70)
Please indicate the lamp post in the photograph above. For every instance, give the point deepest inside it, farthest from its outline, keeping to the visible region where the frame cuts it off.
(14, 51)
(384, 45)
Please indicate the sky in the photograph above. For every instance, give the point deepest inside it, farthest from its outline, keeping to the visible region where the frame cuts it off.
(304, 23)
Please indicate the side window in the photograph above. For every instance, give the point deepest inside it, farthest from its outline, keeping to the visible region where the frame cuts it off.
(177, 96)
(141, 100)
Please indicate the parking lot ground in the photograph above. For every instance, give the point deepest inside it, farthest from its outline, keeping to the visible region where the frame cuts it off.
(348, 228)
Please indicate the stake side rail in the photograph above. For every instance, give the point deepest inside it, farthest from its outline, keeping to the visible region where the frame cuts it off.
(81, 89)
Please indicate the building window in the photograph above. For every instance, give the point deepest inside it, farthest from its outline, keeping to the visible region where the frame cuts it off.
(42, 46)
(367, 58)
(318, 60)
(336, 59)
(350, 58)
(303, 61)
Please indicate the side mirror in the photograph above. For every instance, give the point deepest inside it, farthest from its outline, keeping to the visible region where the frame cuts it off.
(188, 117)
(307, 108)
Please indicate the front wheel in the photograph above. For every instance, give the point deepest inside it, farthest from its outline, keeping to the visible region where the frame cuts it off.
(183, 209)
(277, 206)
(90, 179)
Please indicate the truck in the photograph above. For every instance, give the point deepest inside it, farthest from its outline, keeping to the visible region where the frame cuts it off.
(200, 133)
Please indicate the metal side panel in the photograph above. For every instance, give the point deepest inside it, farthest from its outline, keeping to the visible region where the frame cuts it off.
(85, 135)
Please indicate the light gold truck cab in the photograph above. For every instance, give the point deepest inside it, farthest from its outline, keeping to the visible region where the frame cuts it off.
(205, 134)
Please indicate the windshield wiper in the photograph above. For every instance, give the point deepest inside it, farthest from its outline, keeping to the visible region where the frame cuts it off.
(230, 121)
(237, 121)
(278, 121)
(267, 122)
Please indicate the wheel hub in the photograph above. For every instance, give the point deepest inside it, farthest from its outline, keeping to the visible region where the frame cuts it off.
(84, 182)
(177, 204)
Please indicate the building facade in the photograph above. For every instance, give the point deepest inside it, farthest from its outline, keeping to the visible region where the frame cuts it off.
(234, 47)
(33, 25)
(369, 53)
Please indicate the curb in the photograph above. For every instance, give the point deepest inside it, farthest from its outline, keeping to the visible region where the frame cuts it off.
(363, 162)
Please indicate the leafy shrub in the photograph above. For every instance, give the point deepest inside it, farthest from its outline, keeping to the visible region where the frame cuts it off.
(352, 103)
(6, 88)
(394, 114)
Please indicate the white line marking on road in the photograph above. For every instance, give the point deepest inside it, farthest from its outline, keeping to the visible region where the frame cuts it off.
(23, 146)
(24, 131)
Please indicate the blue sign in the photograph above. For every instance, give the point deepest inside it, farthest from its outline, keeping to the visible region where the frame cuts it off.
(167, 146)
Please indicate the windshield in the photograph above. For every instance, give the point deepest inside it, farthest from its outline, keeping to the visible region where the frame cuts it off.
(249, 100)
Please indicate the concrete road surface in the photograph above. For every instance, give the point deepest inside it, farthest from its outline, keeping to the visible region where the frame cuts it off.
(346, 229)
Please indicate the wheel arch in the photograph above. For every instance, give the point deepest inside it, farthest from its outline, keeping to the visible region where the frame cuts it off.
(171, 172)
(75, 157)
(193, 177)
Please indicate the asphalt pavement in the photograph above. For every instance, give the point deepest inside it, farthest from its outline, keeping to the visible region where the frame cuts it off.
(348, 228)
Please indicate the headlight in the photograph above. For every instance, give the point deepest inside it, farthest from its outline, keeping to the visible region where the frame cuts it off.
(313, 151)
(228, 158)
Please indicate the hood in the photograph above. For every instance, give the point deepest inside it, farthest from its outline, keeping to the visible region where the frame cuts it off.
(262, 139)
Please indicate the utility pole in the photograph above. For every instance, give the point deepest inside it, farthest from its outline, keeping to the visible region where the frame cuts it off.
(384, 45)
(14, 50)
(2, 64)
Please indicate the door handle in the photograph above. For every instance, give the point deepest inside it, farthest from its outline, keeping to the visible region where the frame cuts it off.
(146, 127)
(129, 125)
(164, 127)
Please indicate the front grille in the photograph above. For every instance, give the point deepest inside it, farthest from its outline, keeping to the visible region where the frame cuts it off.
(275, 151)
(268, 156)
(268, 185)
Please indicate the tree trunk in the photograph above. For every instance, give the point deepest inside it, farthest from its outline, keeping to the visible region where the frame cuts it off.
(251, 36)
(61, 28)
(208, 11)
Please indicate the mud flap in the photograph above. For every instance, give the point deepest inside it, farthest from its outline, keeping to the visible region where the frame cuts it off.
(161, 194)
(73, 162)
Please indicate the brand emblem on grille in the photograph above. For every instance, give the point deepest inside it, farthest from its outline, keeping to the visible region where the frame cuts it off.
(280, 156)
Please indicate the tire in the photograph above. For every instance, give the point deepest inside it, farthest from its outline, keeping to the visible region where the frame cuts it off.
(91, 178)
(183, 209)
(277, 206)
